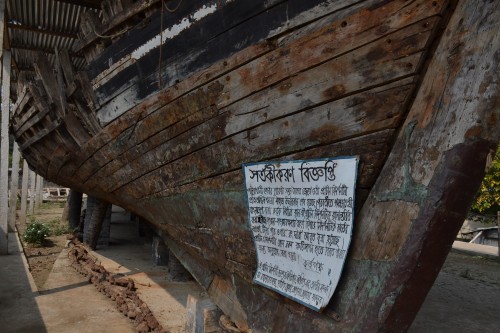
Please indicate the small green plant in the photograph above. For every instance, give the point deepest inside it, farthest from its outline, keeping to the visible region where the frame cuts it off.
(488, 198)
(35, 233)
(58, 228)
(52, 204)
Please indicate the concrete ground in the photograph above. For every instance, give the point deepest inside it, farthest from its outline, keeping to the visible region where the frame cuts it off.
(464, 298)
(130, 256)
(68, 303)
(19, 310)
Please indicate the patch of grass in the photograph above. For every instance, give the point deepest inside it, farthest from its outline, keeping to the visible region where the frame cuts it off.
(52, 204)
(58, 228)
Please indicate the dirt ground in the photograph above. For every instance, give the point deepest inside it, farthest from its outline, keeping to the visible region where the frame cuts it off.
(465, 297)
(42, 258)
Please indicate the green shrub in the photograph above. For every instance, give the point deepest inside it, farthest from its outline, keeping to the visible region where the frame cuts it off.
(35, 233)
(488, 198)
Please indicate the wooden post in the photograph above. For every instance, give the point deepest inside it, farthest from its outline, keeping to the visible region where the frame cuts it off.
(4, 137)
(202, 316)
(75, 209)
(24, 192)
(38, 191)
(94, 219)
(14, 180)
(32, 192)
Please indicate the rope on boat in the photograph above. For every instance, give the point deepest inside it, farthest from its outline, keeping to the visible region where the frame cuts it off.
(172, 10)
(127, 29)
(114, 35)
(160, 65)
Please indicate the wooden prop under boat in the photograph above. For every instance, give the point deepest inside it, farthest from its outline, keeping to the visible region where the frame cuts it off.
(175, 100)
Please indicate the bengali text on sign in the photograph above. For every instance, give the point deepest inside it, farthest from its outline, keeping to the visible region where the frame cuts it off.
(301, 217)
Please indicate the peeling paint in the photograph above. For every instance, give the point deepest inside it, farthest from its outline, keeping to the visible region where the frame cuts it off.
(153, 43)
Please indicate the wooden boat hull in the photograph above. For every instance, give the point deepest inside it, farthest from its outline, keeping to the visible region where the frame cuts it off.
(406, 86)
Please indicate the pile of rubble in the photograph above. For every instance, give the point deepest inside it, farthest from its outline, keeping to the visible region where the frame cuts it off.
(118, 288)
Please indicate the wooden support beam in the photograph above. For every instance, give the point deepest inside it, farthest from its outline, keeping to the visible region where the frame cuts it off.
(94, 220)
(202, 315)
(423, 194)
(95, 4)
(38, 49)
(31, 210)
(24, 192)
(66, 65)
(4, 138)
(39, 190)
(42, 31)
(115, 22)
(14, 179)
(75, 209)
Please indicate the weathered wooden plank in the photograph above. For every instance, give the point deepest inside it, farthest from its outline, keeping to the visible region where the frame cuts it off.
(237, 150)
(31, 210)
(22, 98)
(89, 24)
(202, 315)
(14, 181)
(128, 120)
(40, 154)
(217, 16)
(171, 121)
(61, 85)
(36, 103)
(225, 230)
(60, 156)
(224, 235)
(413, 13)
(87, 91)
(342, 124)
(187, 63)
(67, 68)
(40, 134)
(20, 126)
(75, 127)
(45, 73)
(148, 127)
(276, 106)
(94, 219)
(434, 169)
(87, 116)
(5, 55)
(371, 149)
(137, 8)
(207, 21)
(34, 116)
(39, 190)
(34, 157)
(196, 266)
(223, 294)
(437, 85)
(24, 192)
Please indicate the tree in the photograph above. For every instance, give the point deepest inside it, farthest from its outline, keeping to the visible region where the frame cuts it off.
(488, 196)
